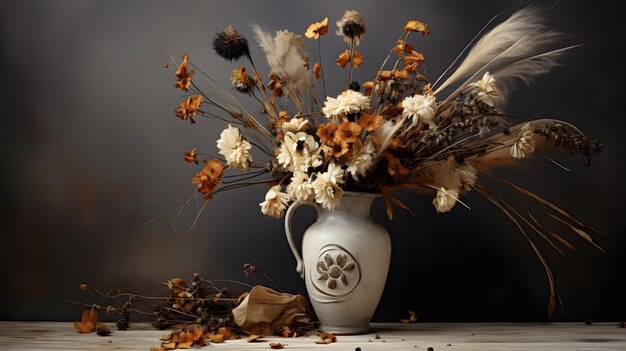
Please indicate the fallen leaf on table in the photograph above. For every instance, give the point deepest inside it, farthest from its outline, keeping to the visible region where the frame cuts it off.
(103, 330)
(185, 345)
(169, 345)
(325, 338)
(216, 338)
(228, 334)
(277, 345)
(255, 338)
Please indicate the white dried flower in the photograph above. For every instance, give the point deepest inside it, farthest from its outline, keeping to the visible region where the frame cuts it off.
(295, 125)
(275, 202)
(486, 89)
(445, 199)
(298, 152)
(326, 186)
(524, 144)
(349, 101)
(300, 187)
(362, 160)
(235, 150)
(419, 108)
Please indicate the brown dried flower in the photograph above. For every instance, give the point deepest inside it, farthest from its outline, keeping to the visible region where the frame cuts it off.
(231, 44)
(351, 27)
(191, 156)
(208, 178)
(241, 81)
(183, 77)
(317, 70)
(413, 60)
(276, 84)
(370, 122)
(188, 108)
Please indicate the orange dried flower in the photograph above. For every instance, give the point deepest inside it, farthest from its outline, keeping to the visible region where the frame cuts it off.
(317, 29)
(344, 59)
(394, 166)
(276, 85)
(191, 156)
(370, 122)
(208, 178)
(188, 108)
(399, 48)
(417, 26)
(326, 132)
(368, 87)
(183, 77)
(413, 60)
(348, 132)
(242, 81)
(317, 70)
(395, 74)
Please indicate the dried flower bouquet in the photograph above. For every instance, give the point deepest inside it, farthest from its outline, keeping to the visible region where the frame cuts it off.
(395, 130)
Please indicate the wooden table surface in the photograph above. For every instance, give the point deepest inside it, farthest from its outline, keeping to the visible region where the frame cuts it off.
(418, 336)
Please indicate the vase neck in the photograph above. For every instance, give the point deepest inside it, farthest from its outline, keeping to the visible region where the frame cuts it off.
(355, 204)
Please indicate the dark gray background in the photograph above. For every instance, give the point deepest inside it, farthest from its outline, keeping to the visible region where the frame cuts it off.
(91, 150)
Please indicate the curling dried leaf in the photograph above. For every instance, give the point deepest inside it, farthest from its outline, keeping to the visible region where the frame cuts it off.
(277, 345)
(491, 198)
(255, 338)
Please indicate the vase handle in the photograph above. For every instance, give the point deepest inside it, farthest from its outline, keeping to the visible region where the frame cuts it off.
(294, 206)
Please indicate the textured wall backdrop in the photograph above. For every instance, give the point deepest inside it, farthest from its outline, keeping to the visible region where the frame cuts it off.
(92, 150)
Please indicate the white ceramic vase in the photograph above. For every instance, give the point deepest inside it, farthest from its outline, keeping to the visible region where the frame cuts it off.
(344, 263)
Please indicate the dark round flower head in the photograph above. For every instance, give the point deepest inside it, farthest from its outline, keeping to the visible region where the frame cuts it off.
(231, 44)
(354, 86)
(351, 27)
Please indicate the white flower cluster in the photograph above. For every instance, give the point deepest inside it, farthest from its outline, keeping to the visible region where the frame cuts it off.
(350, 101)
(486, 89)
(235, 150)
(419, 108)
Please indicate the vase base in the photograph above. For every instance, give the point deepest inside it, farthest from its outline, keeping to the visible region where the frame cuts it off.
(342, 330)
